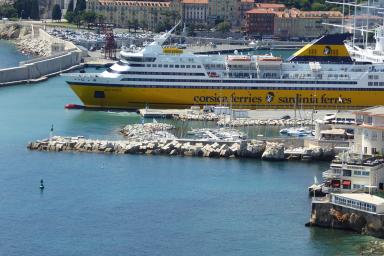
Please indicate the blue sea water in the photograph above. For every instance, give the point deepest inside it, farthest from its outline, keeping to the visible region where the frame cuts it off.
(9, 55)
(96, 204)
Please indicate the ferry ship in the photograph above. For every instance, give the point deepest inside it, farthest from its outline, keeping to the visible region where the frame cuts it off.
(321, 75)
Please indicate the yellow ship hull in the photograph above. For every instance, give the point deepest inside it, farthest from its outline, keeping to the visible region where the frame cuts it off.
(110, 97)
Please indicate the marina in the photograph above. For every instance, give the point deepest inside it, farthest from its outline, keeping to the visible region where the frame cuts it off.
(130, 179)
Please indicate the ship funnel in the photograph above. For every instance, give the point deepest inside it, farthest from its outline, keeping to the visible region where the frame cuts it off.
(326, 49)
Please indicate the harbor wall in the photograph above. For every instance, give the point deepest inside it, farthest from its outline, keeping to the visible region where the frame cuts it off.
(40, 68)
(327, 215)
(33, 70)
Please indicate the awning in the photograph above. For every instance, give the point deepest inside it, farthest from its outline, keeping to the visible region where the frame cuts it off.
(346, 183)
(335, 183)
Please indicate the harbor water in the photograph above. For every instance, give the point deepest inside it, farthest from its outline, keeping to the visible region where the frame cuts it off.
(9, 55)
(96, 204)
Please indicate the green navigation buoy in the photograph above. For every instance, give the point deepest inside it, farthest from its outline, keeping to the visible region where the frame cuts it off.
(41, 184)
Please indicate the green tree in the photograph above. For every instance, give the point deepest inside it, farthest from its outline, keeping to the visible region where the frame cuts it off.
(159, 27)
(100, 18)
(7, 11)
(89, 17)
(167, 24)
(129, 25)
(135, 25)
(318, 7)
(224, 26)
(34, 9)
(81, 5)
(56, 12)
(144, 24)
(70, 6)
(69, 16)
(23, 8)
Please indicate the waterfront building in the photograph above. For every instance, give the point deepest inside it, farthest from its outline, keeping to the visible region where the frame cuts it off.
(223, 10)
(245, 5)
(260, 21)
(194, 11)
(294, 23)
(369, 132)
(145, 14)
(335, 135)
(359, 201)
(274, 19)
(354, 172)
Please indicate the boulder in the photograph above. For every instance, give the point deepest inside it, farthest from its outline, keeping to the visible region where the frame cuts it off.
(273, 151)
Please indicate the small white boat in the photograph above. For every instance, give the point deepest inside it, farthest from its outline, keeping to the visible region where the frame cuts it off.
(284, 131)
(298, 132)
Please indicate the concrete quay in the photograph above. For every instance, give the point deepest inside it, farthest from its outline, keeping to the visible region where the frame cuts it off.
(179, 147)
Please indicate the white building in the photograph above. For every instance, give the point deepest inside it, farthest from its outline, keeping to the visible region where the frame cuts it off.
(369, 133)
(359, 201)
(354, 172)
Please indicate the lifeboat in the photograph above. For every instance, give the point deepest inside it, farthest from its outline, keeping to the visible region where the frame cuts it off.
(238, 59)
(73, 106)
(269, 61)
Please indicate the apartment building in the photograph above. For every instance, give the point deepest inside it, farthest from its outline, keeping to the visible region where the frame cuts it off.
(369, 132)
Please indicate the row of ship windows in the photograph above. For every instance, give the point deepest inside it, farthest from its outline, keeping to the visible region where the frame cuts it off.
(139, 59)
(158, 65)
(373, 77)
(224, 81)
(155, 73)
(375, 83)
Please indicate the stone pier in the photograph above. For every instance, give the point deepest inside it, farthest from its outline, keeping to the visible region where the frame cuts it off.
(173, 147)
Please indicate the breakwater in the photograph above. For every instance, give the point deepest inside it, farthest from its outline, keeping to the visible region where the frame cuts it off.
(180, 147)
(57, 55)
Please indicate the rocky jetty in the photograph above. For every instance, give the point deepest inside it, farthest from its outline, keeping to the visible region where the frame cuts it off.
(23, 40)
(162, 146)
(256, 122)
(34, 46)
(12, 31)
(148, 131)
(181, 147)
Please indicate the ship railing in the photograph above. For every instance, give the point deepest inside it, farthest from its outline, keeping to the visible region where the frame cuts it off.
(81, 75)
